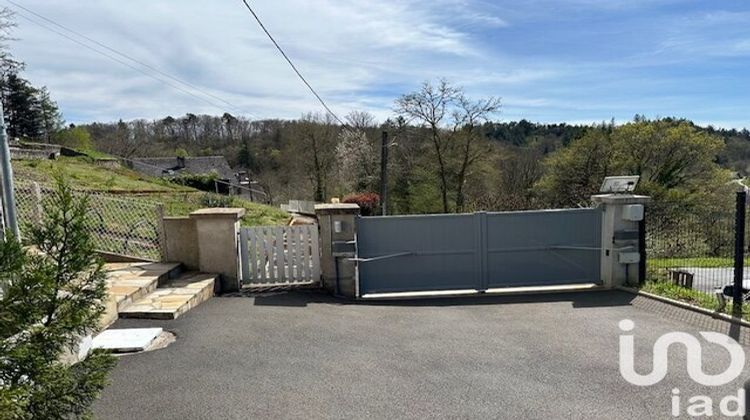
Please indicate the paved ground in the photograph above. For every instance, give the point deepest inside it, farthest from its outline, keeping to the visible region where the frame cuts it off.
(306, 355)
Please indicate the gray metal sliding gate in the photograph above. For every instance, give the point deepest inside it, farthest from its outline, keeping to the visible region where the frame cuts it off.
(478, 251)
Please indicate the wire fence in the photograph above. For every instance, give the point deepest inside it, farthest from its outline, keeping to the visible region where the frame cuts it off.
(118, 225)
(695, 251)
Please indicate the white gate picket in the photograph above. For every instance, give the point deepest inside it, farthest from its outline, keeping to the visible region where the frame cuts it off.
(279, 261)
(290, 260)
(301, 254)
(253, 255)
(267, 237)
(314, 245)
(280, 255)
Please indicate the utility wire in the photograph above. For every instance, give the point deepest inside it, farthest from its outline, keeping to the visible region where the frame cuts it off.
(291, 64)
(121, 54)
(162, 73)
(64, 35)
(120, 61)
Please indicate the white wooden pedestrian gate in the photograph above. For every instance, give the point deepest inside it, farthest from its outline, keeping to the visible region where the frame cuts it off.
(280, 255)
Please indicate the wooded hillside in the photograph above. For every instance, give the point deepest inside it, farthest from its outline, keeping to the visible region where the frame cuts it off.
(487, 165)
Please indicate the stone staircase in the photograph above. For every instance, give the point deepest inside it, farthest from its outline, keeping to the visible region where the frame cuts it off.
(154, 290)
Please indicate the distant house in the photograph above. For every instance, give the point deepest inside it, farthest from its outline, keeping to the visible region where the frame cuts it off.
(177, 166)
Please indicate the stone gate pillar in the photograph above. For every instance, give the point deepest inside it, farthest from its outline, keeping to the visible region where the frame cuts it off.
(337, 235)
(620, 253)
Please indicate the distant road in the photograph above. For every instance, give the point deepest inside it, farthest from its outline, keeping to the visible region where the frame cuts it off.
(708, 279)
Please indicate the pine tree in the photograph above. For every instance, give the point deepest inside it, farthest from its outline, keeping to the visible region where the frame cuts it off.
(23, 110)
(51, 118)
(245, 157)
(51, 297)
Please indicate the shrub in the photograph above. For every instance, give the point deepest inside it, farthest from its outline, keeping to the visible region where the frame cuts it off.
(216, 200)
(203, 182)
(368, 202)
(181, 153)
(74, 137)
(51, 298)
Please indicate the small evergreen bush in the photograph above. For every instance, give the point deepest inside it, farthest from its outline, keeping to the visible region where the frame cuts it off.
(52, 297)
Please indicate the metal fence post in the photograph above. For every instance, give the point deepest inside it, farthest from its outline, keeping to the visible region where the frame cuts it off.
(162, 236)
(9, 198)
(739, 250)
(642, 248)
(2, 220)
(384, 174)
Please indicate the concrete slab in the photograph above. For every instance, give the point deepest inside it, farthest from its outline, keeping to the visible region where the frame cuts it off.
(126, 340)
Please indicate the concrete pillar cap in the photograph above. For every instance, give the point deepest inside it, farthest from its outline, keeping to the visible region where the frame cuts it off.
(337, 207)
(620, 199)
(234, 213)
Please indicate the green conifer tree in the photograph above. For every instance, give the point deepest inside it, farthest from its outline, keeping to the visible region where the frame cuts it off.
(53, 293)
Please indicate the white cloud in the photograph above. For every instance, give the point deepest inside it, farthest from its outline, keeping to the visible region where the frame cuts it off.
(359, 54)
(342, 48)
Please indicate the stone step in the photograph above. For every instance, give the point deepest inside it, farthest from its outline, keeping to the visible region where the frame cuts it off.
(174, 298)
(128, 282)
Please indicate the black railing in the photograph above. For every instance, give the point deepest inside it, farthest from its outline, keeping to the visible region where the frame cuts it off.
(704, 251)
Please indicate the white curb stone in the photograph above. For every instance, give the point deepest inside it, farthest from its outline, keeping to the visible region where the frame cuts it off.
(126, 339)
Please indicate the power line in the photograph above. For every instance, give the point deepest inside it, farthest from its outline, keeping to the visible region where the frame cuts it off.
(121, 54)
(113, 58)
(162, 73)
(291, 64)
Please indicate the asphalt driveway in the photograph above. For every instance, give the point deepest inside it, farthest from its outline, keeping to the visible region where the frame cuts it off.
(307, 355)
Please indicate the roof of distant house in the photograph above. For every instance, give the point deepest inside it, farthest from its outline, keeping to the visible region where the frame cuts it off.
(171, 166)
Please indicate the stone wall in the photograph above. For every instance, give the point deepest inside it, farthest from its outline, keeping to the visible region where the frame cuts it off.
(33, 154)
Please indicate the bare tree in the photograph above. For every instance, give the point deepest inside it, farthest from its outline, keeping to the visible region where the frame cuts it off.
(314, 147)
(468, 116)
(356, 154)
(429, 107)
(519, 170)
(435, 108)
(8, 64)
(360, 120)
(230, 125)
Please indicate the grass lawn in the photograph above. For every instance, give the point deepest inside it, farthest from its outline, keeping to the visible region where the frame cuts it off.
(694, 297)
(182, 203)
(84, 173)
(699, 262)
(178, 200)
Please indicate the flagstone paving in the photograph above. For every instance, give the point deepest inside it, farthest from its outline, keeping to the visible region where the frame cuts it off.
(178, 297)
(153, 290)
